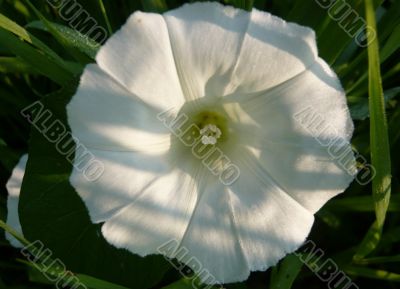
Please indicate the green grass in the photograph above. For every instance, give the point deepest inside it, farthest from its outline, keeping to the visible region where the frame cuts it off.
(41, 57)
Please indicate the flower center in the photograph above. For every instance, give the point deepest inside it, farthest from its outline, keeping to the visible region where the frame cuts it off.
(212, 126)
(209, 134)
(203, 131)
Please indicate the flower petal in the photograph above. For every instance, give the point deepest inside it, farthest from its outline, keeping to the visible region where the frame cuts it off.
(104, 115)
(301, 131)
(270, 224)
(160, 213)
(14, 188)
(211, 240)
(248, 51)
(272, 52)
(139, 57)
(206, 39)
(125, 176)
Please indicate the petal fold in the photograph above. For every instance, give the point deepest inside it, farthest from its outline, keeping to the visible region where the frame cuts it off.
(139, 57)
(212, 238)
(160, 213)
(126, 175)
(104, 115)
(206, 39)
(270, 223)
(300, 132)
(272, 52)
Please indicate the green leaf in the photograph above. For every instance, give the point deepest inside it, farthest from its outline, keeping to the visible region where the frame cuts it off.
(358, 65)
(380, 150)
(51, 211)
(329, 218)
(369, 243)
(64, 38)
(13, 233)
(43, 268)
(286, 272)
(14, 28)
(184, 283)
(14, 65)
(380, 260)
(379, 143)
(95, 283)
(34, 274)
(372, 273)
(103, 11)
(390, 237)
(189, 283)
(154, 5)
(74, 37)
(392, 44)
(38, 61)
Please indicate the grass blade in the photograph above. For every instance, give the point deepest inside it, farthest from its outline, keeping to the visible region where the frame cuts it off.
(37, 60)
(75, 38)
(373, 273)
(13, 233)
(14, 65)
(380, 151)
(379, 141)
(14, 28)
(381, 259)
(60, 36)
(103, 11)
(392, 44)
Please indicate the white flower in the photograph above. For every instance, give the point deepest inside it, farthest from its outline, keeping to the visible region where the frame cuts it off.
(240, 78)
(14, 188)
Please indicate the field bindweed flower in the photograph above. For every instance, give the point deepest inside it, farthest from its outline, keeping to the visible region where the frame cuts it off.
(175, 100)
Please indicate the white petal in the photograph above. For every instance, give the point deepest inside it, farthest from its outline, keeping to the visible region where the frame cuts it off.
(125, 176)
(291, 126)
(269, 222)
(272, 52)
(160, 213)
(139, 56)
(206, 39)
(219, 49)
(14, 188)
(211, 239)
(104, 115)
